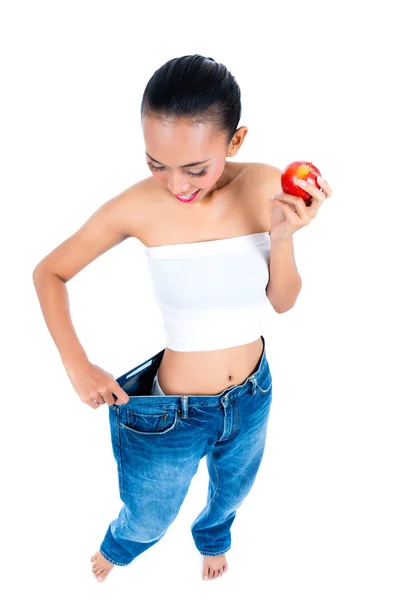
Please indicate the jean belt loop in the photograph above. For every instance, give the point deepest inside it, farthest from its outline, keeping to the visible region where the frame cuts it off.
(184, 407)
(253, 383)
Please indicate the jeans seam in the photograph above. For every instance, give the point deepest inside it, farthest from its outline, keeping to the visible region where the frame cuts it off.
(217, 484)
(119, 462)
(214, 553)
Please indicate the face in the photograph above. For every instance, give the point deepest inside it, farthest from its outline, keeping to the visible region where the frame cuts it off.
(172, 148)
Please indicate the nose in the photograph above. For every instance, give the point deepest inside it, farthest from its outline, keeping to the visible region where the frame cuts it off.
(177, 186)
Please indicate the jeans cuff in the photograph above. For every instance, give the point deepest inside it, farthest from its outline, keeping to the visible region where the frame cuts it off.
(111, 560)
(214, 553)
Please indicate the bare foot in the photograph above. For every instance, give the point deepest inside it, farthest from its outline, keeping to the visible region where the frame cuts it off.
(101, 566)
(214, 566)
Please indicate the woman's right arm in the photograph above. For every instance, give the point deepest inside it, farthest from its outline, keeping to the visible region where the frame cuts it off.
(102, 231)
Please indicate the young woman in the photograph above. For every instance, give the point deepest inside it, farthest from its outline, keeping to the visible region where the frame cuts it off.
(217, 248)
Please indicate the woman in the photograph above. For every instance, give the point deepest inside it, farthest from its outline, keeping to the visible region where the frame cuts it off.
(213, 241)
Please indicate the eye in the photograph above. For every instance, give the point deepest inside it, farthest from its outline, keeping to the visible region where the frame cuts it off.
(201, 174)
(154, 168)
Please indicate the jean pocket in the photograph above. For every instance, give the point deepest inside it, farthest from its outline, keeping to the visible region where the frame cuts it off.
(151, 421)
(264, 387)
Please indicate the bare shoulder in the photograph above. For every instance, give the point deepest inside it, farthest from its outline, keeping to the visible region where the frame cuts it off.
(266, 177)
(113, 222)
(260, 182)
(129, 210)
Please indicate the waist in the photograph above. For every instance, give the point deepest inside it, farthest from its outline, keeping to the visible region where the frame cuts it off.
(208, 372)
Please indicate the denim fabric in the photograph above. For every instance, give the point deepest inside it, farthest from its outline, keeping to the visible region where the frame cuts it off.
(156, 389)
(158, 442)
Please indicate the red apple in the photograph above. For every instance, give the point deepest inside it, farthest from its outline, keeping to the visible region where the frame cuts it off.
(301, 170)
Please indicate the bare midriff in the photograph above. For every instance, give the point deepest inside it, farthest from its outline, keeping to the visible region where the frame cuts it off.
(208, 372)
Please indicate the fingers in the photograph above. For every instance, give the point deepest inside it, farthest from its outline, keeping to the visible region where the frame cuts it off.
(122, 397)
(326, 188)
(100, 397)
(95, 386)
(304, 211)
(297, 216)
(297, 206)
(106, 397)
(92, 403)
(318, 195)
(115, 395)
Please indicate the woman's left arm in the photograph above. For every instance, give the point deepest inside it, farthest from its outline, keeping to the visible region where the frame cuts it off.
(289, 214)
(284, 282)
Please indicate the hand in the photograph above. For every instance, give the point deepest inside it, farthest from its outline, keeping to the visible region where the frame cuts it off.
(290, 213)
(95, 386)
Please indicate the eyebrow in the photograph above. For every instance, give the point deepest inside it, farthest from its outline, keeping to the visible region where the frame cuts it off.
(189, 165)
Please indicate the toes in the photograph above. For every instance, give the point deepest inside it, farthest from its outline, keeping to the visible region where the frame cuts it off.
(96, 555)
(101, 575)
(214, 573)
(100, 570)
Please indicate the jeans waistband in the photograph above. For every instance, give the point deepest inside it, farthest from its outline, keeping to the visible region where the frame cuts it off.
(137, 383)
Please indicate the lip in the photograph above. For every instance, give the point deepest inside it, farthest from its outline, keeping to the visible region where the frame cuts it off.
(187, 199)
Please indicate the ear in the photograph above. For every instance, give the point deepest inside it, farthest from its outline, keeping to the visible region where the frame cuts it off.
(237, 141)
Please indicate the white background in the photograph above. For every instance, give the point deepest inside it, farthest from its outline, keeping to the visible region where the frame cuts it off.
(318, 83)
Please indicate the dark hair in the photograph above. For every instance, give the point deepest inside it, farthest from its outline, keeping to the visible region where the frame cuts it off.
(196, 88)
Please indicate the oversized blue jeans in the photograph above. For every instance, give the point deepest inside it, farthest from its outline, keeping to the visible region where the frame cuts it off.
(158, 442)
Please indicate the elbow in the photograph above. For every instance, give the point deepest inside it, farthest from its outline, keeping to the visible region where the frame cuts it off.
(280, 310)
(36, 271)
(282, 307)
(39, 268)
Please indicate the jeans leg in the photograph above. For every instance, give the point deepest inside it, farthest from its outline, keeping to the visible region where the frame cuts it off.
(112, 544)
(232, 465)
(154, 472)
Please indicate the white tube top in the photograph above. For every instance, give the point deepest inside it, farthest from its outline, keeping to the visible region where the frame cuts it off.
(211, 294)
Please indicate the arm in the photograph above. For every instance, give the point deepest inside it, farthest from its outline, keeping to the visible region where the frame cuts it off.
(104, 229)
(287, 216)
(54, 302)
(284, 283)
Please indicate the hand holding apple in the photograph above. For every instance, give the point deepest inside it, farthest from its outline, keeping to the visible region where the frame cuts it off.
(304, 190)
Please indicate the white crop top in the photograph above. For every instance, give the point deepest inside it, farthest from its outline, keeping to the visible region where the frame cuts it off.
(211, 294)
